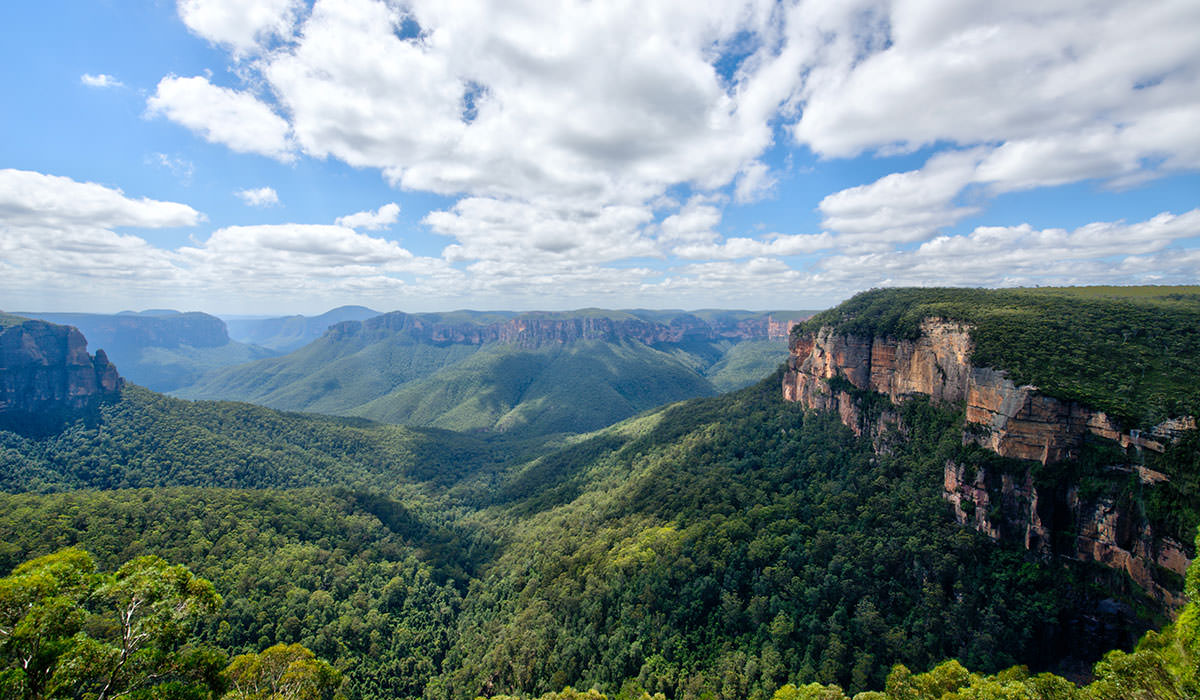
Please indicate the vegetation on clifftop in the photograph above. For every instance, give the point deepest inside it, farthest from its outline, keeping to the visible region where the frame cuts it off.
(1133, 352)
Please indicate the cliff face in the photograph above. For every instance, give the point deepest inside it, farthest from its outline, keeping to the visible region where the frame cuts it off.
(48, 377)
(1012, 421)
(122, 333)
(530, 333)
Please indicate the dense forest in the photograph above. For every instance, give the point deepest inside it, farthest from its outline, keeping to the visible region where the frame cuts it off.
(726, 547)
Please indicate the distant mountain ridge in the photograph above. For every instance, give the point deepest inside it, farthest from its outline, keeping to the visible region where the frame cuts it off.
(537, 371)
(159, 349)
(287, 333)
(533, 330)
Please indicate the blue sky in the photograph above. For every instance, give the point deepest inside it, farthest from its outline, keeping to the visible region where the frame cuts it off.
(280, 156)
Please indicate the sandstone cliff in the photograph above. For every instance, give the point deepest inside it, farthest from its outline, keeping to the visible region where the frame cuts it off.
(531, 332)
(47, 377)
(838, 372)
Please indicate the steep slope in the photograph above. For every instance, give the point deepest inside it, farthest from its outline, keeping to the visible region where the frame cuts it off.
(724, 545)
(146, 439)
(575, 387)
(414, 368)
(287, 333)
(161, 349)
(47, 376)
(1086, 465)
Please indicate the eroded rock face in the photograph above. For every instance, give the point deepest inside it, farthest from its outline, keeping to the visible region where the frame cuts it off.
(1016, 421)
(532, 333)
(1013, 421)
(47, 376)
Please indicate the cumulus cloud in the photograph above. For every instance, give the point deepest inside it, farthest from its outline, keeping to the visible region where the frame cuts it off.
(258, 197)
(1097, 253)
(381, 218)
(580, 141)
(29, 198)
(56, 234)
(774, 246)
(902, 207)
(1041, 95)
(239, 24)
(100, 80)
(533, 233)
(221, 115)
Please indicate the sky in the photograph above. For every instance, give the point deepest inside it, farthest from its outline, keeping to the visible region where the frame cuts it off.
(282, 156)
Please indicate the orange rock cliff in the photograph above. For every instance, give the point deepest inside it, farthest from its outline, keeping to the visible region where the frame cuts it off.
(1010, 420)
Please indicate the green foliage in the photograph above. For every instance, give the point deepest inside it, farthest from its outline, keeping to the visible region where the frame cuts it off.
(282, 672)
(70, 632)
(577, 387)
(745, 363)
(1131, 352)
(730, 545)
(315, 567)
(397, 375)
(148, 439)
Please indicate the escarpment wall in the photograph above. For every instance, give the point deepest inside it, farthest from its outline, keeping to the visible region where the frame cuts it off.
(47, 376)
(536, 332)
(1013, 421)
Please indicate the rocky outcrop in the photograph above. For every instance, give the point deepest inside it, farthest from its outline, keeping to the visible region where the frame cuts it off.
(126, 332)
(1055, 522)
(531, 332)
(1012, 421)
(47, 377)
(836, 372)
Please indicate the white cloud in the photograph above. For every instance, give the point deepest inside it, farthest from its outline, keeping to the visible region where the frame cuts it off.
(100, 80)
(775, 246)
(240, 24)
(381, 218)
(258, 197)
(980, 72)
(56, 237)
(33, 199)
(542, 233)
(754, 182)
(221, 115)
(1097, 253)
(902, 207)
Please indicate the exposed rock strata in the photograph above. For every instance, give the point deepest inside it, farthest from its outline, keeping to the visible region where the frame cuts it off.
(47, 376)
(1012, 421)
(535, 332)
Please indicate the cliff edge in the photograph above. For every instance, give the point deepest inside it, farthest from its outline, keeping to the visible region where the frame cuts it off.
(47, 376)
(849, 373)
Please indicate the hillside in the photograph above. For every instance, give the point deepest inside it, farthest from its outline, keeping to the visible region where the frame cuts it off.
(160, 349)
(146, 439)
(716, 547)
(476, 371)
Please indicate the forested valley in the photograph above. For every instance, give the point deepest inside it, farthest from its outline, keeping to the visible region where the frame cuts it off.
(736, 546)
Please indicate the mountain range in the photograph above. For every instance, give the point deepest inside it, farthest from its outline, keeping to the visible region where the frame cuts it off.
(534, 372)
(875, 506)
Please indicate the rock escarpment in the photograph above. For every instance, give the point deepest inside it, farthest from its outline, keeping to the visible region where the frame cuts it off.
(47, 377)
(835, 372)
(534, 332)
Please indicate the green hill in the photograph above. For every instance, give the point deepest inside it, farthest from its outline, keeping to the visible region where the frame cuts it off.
(577, 387)
(147, 439)
(538, 372)
(720, 547)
